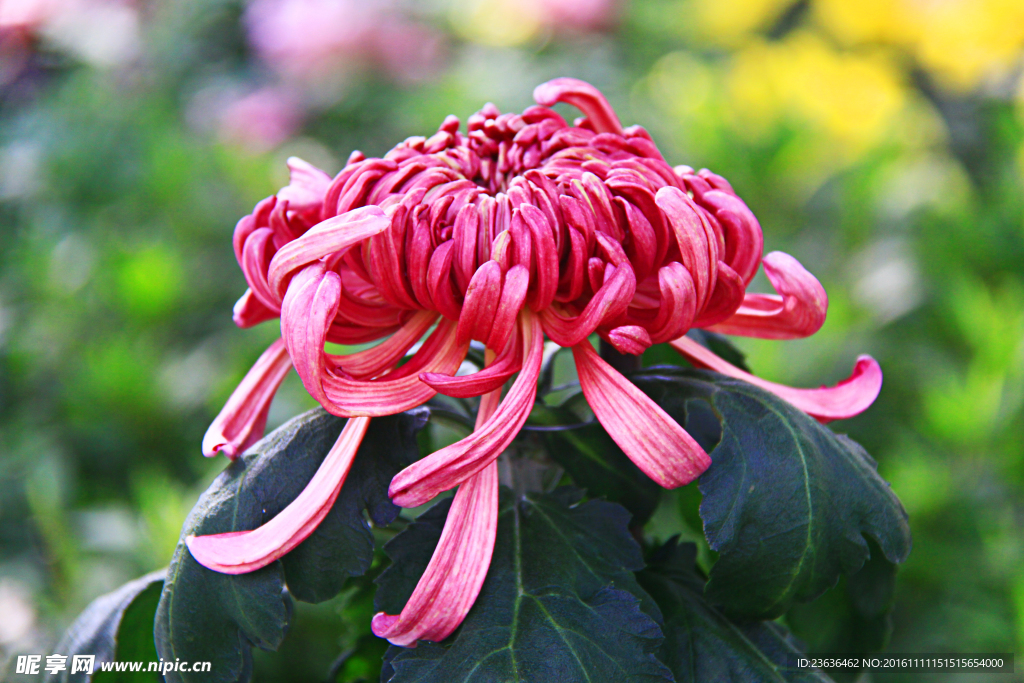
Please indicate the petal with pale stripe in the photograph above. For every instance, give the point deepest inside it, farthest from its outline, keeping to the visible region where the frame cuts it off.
(450, 466)
(453, 579)
(798, 310)
(239, 552)
(241, 421)
(647, 434)
(846, 399)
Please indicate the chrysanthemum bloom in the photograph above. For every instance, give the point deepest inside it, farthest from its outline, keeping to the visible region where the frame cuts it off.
(523, 228)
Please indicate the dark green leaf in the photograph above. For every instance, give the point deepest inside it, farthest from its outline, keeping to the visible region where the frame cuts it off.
(787, 502)
(596, 463)
(208, 616)
(701, 644)
(853, 617)
(117, 627)
(560, 603)
(721, 345)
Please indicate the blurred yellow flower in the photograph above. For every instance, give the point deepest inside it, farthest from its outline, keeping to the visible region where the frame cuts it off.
(962, 42)
(498, 23)
(850, 97)
(729, 22)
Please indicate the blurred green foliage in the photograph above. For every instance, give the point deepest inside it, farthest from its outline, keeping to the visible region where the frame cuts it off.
(881, 142)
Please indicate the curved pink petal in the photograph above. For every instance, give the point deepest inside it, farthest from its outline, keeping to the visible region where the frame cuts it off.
(726, 298)
(307, 187)
(631, 339)
(241, 421)
(450, 466)
(797, 311)
(384, 356)
(481, 303)
(307, 310)
(584, 97)
(513, 293)
(249, 311)
(698, 246)
(323, 239)
(239, 552)
(846, 399)
(610, 301)
(399, 390)
(654, 441)
(490, 378)
(453, 579)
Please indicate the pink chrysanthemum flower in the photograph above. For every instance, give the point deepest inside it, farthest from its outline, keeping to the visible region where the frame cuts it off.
(523, 228)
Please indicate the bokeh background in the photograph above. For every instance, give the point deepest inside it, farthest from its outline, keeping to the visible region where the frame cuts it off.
(879, 141)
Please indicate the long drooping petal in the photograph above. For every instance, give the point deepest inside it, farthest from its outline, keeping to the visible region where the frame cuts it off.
(238, 552)
(846, 399)
(654, 441)
(450, 466)
(458, 567)
(452, 580)
(242, 419)
(798, 310)
(399, 390)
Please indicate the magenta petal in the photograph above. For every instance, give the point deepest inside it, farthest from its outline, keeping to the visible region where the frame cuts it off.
(631, 339)
(384, 356)
(239, 552)
(584, 97)
(452, 580)
(240, 423)
(645, 432)
(798, 312)
(846, 399)
(308, 308)
(308, 186)
(323, 239)
(450, 466)
(250, 311)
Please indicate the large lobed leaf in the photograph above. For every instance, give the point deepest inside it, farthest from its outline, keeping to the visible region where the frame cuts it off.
(116, 627)
(787, 503)
(560, 603)
(701, 644)
(207, 616)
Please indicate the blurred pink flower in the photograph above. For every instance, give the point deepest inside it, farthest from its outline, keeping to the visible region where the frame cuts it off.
(326, 40)
(261, 120)
(577, 15)
(521, 228)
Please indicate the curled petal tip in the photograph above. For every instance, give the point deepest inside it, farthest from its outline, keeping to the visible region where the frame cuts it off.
(584, 97)
(241, 421)
(382, 623)
(850, 397)
(798, 310)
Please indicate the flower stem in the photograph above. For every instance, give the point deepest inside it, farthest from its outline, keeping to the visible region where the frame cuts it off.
(623, 362)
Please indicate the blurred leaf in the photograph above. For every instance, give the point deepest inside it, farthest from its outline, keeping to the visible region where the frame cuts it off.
(116, 627)
(853, 617)
(787, 502)
(701, 644)
(560, 602)
(596, 463)
(208, 616)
